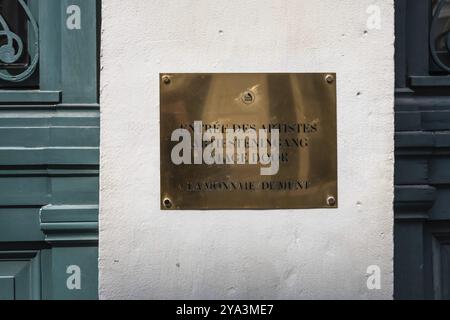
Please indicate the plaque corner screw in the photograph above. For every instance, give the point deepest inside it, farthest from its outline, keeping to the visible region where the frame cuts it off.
(329, 78)
(167, 203)
(331, 201)
(166, 80)
(248, 97)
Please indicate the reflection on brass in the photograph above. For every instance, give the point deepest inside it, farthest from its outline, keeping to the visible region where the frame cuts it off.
(329, 78)
(166, 79)
(331, 201)
(302, 107)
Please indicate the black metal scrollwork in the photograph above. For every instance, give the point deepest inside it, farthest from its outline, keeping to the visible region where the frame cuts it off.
(436, 33)
(11, 51)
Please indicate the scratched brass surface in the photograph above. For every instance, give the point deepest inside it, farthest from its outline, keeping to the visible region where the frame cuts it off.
(293, 103)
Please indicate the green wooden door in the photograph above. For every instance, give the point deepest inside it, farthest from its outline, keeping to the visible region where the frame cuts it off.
(49, 149)
(422, 166)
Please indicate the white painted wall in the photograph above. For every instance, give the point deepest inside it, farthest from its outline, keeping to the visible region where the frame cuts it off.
(293, 254)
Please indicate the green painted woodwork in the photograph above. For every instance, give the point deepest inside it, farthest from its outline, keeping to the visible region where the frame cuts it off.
(78, 65)
(49, 156)
(20, 272)
(7, 291)
(422, 165)
(86, 259)
(29, 96)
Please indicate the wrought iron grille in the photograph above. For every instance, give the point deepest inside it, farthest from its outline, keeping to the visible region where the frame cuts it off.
(19, 41)
(440, 36)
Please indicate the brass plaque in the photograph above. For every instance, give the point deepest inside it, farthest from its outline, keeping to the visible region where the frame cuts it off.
(219, 138)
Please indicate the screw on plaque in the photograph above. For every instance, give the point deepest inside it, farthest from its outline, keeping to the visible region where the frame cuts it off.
(331, 201)
(329, 79)
(167, 203)
(166, 80)
(248, 97)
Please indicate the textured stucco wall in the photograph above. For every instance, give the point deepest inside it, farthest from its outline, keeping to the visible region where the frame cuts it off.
(146, 253)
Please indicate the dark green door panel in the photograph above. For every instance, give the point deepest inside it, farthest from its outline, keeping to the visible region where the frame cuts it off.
(20, 272)
(49, 156)
(7, 291)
